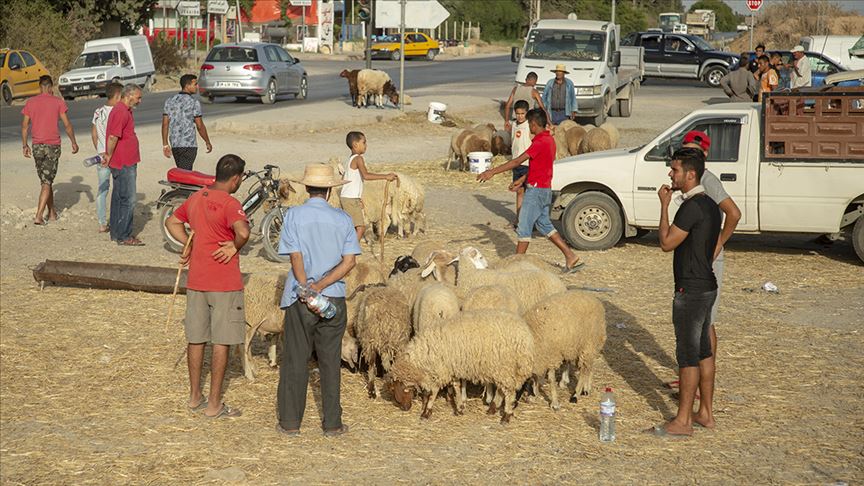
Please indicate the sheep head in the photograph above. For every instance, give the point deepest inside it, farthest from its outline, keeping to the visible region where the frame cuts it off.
(344, 73)
(473, 255)
(390, 91)
(404, 395)
(499, 147)
(403, 264)
(350, 351)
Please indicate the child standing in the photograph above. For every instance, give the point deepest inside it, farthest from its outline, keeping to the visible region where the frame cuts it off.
(524, 92)
(538, 193)
(97, 134)
(355, 173)
(520, 135)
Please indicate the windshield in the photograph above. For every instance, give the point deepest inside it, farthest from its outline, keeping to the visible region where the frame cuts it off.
(2, 59)
(575, 45)
(96, 59)
(701, 44)
(233, 54)
(667, 21)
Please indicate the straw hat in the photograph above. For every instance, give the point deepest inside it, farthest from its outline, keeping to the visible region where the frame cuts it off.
(319, 175)
(562, 68)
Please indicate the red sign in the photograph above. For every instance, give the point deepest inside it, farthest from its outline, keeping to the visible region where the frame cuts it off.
(754, 5)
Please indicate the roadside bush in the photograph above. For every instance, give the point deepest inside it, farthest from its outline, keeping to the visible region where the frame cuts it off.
(55, 38)
(166, 57)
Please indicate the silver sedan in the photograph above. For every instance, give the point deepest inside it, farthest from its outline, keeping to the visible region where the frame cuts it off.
(251, 69)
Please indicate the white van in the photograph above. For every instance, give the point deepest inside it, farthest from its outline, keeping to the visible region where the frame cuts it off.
(121, 59)
(838, 47)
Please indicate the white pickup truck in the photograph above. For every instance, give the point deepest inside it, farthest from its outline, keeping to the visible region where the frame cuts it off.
(794, 166)
(605, 75)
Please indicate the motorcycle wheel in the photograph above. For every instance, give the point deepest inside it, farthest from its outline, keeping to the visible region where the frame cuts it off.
(168, 208)
(271, 228)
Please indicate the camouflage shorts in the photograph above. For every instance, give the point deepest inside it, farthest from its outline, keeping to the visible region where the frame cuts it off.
(46, 157)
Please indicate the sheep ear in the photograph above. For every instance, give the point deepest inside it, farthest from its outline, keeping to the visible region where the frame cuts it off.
(429, 268)
(454, 260)
(436, 272)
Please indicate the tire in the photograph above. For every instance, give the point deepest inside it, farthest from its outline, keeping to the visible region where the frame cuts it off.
(713, 76)
(271, 227)
(430, 54)
(171, 203)
(7, 93)
(395, 56)
(625, 107)
(269, 96)
(303, 90)
(599, 119)
(858, 238)
(615, 111)
(592, 221)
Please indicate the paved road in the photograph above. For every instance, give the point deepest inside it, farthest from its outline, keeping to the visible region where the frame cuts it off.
(324, 83)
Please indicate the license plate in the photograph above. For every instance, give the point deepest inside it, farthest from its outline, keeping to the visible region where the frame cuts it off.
(81, 87)
(227, 84)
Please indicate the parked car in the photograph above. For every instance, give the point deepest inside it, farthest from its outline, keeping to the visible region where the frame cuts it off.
(115, 59)
(821, 66)
(251, 69)
(682, 56)
(845, 50)
(417, 44)
(19, 74)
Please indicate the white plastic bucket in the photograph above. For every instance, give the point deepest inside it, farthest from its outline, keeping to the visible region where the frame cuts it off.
(436, 112)
(479, 161)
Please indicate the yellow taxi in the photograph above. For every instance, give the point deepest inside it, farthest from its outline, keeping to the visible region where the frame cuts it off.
(417, 44)
(19, 74)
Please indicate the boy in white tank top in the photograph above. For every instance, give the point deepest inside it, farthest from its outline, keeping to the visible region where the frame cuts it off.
(520, 137)
(355, 173)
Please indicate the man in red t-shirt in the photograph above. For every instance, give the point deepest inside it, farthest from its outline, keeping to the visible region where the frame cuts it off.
(538, 190)
(214, 289)
(122, 156)
(44, 110)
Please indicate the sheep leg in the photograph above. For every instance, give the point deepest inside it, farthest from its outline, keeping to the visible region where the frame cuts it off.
(458, 402)
(566, 369)
(427, 412)
(271, 350)
(371, 373)
(464, 394)
(248, 366)
(553, 391)
(509, 400)
(488, 392)
(584, 382)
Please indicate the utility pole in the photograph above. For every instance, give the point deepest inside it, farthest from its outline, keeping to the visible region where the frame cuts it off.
(402, 56)
(613, 12)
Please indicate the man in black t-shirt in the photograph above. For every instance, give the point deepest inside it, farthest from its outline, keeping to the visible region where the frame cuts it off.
(693, 236)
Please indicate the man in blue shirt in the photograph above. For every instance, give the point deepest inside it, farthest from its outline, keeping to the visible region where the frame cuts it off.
(322, 245)
(559, 96)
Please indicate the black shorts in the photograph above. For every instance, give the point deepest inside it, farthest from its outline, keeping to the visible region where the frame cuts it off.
(184, 157)
(691, 316)
(519, 171)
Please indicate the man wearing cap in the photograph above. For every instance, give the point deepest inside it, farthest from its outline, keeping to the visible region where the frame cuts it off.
(559, 96)
(800, 69)
(322, 245)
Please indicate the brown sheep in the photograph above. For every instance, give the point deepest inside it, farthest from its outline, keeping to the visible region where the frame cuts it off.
(574, 138)
(501, 143)
(595, 140)
(351, 76)
(463, 143)
(391, 92)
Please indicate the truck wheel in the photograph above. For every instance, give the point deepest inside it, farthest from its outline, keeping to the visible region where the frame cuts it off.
(592, 221)
(171, 204)
(395, 56)
(7, 93)
(615, 111)
(713, 76)
(858, 237)
(625, 107)
(271, 228)
(599, 119)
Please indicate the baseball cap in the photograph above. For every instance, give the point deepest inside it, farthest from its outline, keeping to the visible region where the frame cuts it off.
(697, 137)
(798, 49)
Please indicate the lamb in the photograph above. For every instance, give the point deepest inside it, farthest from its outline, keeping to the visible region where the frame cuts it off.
(293, 194)
(351, 76)
(614, 136)
(464, 142)
(404, 205)
(568, 327)
(383, 328)
(262, 295)
(595, 140)
(529, 286)
(480, 346)
(423, 250)
(574, 137)
(434, 305)
(402, 264)
(377, 83)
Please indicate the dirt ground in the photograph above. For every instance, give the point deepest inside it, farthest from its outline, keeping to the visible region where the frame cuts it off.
(89, 391)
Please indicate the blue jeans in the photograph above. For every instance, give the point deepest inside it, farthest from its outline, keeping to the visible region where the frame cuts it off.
(558, 116)
(123, 202)
(104, 174)
(535, 212)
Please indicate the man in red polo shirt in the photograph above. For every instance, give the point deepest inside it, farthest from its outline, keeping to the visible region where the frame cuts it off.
(214, 295)
(538, 190)
(43, 110)
(122, 156)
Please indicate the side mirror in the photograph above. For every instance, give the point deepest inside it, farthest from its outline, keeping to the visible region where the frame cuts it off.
(515, 54)
(669, 152)
(616, 59)
(688, 48)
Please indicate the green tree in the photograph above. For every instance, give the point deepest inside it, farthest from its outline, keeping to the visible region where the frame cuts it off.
(498, 19)
(727, 19)
(130, 13)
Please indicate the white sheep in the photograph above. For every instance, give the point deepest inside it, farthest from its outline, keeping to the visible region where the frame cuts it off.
(614, 136)
(520, 261)
(568, 328)
(424, 249)
(376, 83)
(481, 346)
(492, 297)
(595, 140)
(408, 201)
(435, 304)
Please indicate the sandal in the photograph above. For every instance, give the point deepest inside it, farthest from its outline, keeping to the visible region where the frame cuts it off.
(225, 411)
(336, 432)
(288, 432)
(575, 268)
(200, 407)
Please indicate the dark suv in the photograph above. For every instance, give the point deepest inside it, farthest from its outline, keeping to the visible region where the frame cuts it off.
(681, 56)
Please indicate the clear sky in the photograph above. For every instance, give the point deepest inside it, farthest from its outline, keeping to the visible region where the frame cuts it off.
(740, 6)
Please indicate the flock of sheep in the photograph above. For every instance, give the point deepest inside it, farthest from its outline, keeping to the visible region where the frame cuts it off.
(453, 320)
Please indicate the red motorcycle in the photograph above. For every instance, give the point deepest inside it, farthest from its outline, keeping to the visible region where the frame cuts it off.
(264, 192)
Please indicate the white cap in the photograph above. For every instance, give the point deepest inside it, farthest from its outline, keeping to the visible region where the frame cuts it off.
(798, 49)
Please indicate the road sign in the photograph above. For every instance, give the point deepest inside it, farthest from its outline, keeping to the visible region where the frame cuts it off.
(189, 9)
(419, 14)
(300, 3)
(217, 6)
(754, 5)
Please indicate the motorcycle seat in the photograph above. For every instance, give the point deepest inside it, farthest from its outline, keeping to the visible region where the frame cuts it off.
(190, 177)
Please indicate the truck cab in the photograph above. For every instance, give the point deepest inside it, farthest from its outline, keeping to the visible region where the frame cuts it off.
(795, 166)
(604, 76)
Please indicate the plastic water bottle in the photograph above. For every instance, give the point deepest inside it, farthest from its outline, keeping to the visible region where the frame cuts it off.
(320, 304)
(607, 416)
(91, 161)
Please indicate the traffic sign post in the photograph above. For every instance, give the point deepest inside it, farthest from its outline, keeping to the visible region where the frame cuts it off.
(754, 6)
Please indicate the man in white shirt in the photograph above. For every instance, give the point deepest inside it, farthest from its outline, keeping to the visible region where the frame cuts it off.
(800, 69)
(97, 134)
